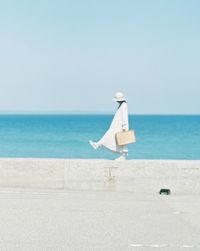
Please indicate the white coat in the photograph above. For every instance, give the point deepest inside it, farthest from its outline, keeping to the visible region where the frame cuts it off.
(119, 123)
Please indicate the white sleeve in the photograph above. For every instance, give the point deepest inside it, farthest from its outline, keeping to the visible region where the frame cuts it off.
(124, 108)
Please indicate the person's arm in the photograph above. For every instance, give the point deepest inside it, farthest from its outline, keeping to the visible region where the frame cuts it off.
(124, 117)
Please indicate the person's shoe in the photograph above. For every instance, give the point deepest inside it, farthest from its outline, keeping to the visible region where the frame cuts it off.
(94, 144)
(121, 158)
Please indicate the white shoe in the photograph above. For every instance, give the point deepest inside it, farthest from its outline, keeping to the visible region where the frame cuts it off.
(94, 144)
(121, 158)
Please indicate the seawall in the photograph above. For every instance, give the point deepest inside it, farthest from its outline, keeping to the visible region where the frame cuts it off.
(137, 176)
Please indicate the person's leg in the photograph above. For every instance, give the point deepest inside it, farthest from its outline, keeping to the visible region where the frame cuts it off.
(96, 145)
(124, 153)
(125, 150)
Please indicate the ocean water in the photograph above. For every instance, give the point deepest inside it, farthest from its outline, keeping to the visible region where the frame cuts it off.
(67, 136)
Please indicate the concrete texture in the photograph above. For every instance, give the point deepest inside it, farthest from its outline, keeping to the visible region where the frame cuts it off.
(96, 221)
(136, 176)
(31, 173)
(83, 205)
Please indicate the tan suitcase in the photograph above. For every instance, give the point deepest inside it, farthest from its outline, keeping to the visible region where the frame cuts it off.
(125, 137)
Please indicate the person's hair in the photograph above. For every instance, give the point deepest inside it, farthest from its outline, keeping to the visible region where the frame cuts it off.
(121, 102)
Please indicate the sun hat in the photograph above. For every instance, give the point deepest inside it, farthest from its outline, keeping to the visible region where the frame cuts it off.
(119, 96)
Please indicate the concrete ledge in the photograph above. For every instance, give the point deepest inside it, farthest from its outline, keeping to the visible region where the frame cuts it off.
(139, 176)
(31, 173)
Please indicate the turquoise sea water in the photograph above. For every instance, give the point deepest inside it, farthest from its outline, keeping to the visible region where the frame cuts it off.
(67, 136)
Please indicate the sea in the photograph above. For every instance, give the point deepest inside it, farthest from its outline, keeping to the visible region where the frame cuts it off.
(67, 136)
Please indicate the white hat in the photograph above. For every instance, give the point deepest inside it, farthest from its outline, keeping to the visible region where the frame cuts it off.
(119, 96)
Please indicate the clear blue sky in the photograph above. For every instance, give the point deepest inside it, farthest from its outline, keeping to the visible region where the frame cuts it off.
(64, 55)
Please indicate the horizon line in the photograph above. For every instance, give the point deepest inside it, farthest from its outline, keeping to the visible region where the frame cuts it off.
(95, 113)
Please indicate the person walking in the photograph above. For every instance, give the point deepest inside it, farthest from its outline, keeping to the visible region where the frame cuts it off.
(119, 123)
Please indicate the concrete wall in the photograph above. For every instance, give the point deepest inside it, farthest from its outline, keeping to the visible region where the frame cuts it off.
(139, 176)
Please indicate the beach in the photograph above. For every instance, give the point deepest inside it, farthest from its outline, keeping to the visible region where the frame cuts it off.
(71, 204)
(75, 75)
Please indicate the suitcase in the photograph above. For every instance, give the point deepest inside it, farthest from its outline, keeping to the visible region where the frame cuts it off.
(125, 137)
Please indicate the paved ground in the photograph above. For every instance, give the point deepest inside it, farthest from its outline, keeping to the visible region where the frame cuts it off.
(103, 221)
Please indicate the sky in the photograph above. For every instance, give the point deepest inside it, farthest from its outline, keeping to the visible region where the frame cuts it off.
(72, 56)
